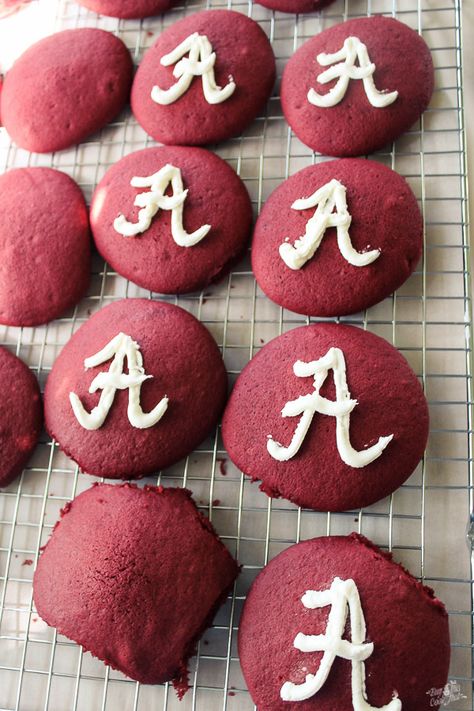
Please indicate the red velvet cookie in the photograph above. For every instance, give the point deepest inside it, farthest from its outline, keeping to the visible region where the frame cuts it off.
(330, 417)
(171, 219)
(357, 86)
(21, 415)
(127, 8)
(64, 88)
(337, 237)
(372, 620)
(295, 5)
(137, 388)
(135, 576)
(205, 79)
(44, 245)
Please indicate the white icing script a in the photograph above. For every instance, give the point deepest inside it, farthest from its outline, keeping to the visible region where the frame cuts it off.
(152, 200)
(346, 70)
(199, 63)
(331, 211)
(340, 408)
(119, 348)
(343, 597)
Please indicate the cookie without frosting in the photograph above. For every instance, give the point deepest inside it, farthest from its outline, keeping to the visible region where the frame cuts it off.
(21, 415)
(44, 246)
(65, 87)
(135, 576)
(295, 5)
(127, 9)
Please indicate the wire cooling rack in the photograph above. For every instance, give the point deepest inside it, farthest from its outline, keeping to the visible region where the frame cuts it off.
(428, 320)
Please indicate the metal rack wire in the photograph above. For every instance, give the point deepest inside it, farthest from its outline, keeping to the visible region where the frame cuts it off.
(428, 319)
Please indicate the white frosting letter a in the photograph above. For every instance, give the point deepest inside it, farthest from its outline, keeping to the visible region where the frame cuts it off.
(343, 597)
(153, 199)
(331, 211)
(340, 408)
(346, 70)
(119, 348)
(199, 63)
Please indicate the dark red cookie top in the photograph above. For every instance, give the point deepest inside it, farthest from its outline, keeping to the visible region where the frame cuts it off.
(379, 411)
(127, 8)
(215, 215)
(21, 415)
(243, 70)
(377, 214)
(64, 88)
(295, 5)
(160, 386)
(135, 576)
(406, 624)
(44, 243)
(353, 126)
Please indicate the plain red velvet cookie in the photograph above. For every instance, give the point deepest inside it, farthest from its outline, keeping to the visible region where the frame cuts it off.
(135, 576)
(44, 245)
(127, 8)
(21, 415)
(333, 624)
(295, 5)
(337, 237)
(205, 79)
(357, 86)
(171, 219)
(328, 416)
(64, 88)
(137, 388)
